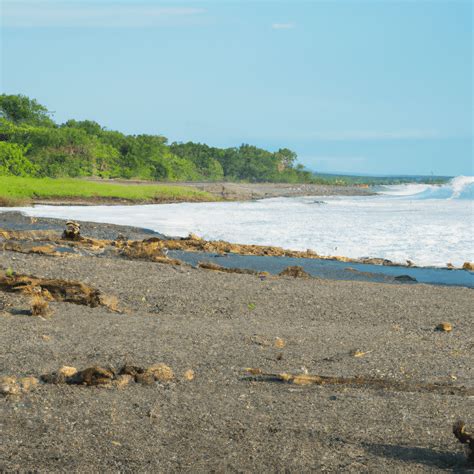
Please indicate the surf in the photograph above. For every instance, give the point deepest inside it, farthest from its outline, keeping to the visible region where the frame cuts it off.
(461, 187)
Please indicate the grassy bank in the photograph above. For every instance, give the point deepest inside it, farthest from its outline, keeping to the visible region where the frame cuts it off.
(15, 191)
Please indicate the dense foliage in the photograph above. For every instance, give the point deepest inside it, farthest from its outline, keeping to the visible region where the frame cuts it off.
(32, 144)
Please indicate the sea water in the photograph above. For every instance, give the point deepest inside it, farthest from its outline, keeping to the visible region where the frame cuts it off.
(429, 225)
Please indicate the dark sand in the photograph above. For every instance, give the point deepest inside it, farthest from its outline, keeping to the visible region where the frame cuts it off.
(246, 191)
(218, 324)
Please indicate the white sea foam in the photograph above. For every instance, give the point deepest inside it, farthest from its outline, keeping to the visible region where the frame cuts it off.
(430, 225)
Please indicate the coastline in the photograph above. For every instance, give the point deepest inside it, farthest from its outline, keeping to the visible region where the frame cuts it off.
(250, 191)
(46, 232)
(216, 191)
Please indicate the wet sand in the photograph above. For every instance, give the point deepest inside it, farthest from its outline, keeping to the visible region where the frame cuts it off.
(218, 325)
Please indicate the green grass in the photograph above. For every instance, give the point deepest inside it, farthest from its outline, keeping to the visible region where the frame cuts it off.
(16, 190)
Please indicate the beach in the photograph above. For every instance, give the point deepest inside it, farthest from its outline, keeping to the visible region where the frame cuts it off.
(402, 383)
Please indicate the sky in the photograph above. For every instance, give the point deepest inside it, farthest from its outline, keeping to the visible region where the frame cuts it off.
(377, 87)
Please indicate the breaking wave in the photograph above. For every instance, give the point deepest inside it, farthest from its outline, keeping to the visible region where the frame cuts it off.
(461, 187)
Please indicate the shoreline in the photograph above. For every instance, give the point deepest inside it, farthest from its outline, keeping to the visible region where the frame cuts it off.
(218, 191)
(372, 268)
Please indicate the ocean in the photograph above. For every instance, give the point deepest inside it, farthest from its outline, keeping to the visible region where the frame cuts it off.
(430, 225)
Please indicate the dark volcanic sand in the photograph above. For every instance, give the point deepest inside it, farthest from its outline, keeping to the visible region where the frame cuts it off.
(205, 321)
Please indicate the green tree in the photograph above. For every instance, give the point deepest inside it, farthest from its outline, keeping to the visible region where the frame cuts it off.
(22, 109)
(13, 160)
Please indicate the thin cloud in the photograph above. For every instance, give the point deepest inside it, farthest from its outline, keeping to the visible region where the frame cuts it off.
(25, 14)
(283, 26)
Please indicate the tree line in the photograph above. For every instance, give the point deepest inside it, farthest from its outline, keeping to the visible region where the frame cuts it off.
(33, 144)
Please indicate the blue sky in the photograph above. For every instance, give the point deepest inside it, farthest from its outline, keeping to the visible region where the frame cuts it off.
(382, 87)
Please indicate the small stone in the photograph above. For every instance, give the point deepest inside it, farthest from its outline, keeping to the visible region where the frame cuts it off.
(189, 375)
(444, 327)
(279, 343)
(67, 371)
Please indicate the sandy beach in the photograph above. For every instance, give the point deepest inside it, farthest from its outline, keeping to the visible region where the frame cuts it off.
(403, 383)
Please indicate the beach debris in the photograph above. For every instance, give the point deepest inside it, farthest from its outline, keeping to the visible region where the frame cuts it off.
(219, 268)
(193, 243)
(94, 376)
(155, 248)
(253, 371)
(468, 266)
(108, 376)
(72, 231)
(465, 437)
(30, 248)
(450, 266)
(189, 375)
(12, 386)
(68, 291)
(279, 343)
(444, 327)
(259, 375)
(70, 375)
(29, 235)
(295, 272)
(146, 250)
(358, 353)
(39, 306)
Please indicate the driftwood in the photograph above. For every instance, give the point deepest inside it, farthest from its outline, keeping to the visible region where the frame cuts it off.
(358, 381)
(219, 268)
(57, 290)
